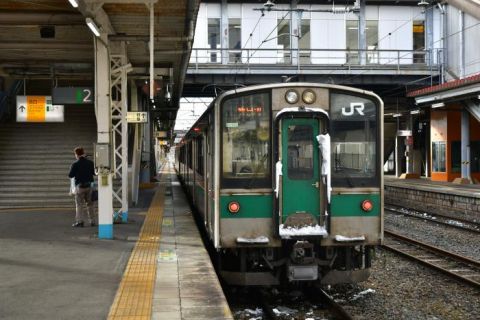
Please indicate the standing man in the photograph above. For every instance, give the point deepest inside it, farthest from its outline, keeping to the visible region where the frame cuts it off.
(83, 171)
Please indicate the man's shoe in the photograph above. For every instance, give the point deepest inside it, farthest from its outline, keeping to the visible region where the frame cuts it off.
(78, 224)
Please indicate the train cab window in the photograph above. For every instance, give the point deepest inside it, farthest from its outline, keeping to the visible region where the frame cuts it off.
(246, 141)
(354, 142)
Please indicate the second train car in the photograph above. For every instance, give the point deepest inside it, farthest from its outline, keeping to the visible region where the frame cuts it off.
(287, 179)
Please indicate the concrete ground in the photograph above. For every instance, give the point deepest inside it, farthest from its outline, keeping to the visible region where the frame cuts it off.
(49, 270)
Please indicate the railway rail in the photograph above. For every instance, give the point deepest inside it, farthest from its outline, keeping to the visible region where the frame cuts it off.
(316, 296)
(459, 223)
(454, 265)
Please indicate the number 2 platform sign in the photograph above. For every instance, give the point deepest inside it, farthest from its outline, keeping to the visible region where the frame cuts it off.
(72, 95)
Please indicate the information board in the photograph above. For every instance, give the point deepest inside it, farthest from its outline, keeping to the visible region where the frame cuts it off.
(137, 117)
(38, 109)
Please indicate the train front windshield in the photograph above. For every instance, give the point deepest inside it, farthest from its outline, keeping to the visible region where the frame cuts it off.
(246, 141)
(354, 137)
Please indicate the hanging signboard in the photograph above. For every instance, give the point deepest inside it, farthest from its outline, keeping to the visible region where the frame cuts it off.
(38, 109)
(137, 117)
(161, 134)
(72, 95)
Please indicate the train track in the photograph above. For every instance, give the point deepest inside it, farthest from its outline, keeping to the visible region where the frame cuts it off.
(463, 224)
(316, 295)
(454, 265)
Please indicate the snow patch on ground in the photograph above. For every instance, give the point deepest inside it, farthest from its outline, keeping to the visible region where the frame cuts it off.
(362, 294)
(280, 310)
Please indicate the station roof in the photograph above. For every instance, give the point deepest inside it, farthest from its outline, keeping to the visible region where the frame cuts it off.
(49, 39)
(461, 88)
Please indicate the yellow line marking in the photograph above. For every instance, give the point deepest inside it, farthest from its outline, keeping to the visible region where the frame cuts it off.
(135, 294)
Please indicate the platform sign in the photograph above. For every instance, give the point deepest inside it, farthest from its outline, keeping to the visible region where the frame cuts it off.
(38, 109)
(72, 95)
(404, 133)
(137, 117)
(161, 134)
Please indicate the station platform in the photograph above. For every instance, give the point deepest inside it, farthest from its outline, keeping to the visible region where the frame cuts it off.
(455, 200)
(155, 268)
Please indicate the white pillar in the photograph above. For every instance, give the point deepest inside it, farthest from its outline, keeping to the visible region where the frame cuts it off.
(362, 36)
(224, 32)
(103, 112)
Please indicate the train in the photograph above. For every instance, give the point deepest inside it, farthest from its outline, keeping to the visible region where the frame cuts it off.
(287, 181)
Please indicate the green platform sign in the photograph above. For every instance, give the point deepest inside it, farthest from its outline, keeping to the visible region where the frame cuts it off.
(72, 95)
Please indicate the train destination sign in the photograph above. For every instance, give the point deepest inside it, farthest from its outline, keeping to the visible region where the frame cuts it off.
(137, 117)
(72, 95)
(38, 109)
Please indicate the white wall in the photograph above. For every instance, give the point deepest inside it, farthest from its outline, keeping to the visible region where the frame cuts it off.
(471, 43)
(327, 30)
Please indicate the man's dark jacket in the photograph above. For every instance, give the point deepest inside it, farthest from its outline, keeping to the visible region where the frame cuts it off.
(83, 171)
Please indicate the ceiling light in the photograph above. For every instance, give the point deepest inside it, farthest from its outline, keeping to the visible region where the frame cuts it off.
(422, 3)
(91, 24)
(396, 115)
(269, 4)
(438, 105)
(74, 3)
(415, 111)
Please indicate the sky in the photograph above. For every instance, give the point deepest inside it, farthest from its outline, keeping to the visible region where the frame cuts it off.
(190, 110)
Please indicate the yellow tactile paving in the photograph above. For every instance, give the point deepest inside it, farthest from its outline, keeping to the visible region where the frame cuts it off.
(135, 294)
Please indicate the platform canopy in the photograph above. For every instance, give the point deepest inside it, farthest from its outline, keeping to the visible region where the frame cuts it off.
(50, 40)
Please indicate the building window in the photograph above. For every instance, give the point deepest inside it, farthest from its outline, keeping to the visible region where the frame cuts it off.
(214, 38)
(418, 41)
(456, 156)
(371, 31)
(438, 156)
(304, 41)
(234, 40)
(283, 41)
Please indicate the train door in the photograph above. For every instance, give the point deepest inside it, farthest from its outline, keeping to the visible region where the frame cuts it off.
(301, 184)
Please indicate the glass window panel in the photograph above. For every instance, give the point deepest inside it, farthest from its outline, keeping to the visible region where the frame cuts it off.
(283, 41)
(475, 156)
(246, 141)
(234, 39)
(214, 37)
(418, 41)
(371, 33)
(456, 155)
(300, 152)
(353, 128)
(304, 42)
(438, 156)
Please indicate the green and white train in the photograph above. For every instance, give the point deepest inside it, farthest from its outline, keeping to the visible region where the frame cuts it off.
(288, 181)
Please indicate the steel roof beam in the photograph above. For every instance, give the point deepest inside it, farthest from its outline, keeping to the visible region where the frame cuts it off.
(35, 19)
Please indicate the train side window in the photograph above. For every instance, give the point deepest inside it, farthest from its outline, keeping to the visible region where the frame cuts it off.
(354, 142)
(246, 141)
(200, 155)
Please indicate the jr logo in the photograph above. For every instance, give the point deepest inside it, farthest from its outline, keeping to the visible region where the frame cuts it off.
(354, 106)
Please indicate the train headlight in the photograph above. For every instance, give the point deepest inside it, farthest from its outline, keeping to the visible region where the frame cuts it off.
(291, 96)
(308, 96)
(367, 205)
(234, 207)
